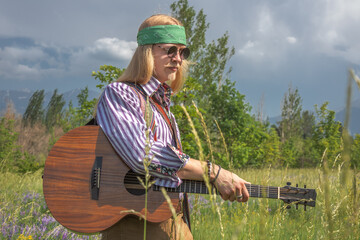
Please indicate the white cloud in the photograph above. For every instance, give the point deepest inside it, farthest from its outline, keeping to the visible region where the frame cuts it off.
(111, 51)
(252, 50)
(265, 22)
(42, 61)
(113, 47)
(24, 63)
(291, 40)
(16, 54)
(267, 40)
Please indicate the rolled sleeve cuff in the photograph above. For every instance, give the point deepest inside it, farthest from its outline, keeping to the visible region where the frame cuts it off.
(175, 181)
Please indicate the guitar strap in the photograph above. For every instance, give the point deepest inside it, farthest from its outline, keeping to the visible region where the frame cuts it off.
(170, 121)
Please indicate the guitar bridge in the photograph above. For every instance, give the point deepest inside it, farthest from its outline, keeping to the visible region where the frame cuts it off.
(95, 178)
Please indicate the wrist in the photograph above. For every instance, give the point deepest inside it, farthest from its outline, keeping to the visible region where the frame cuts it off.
(215, 173)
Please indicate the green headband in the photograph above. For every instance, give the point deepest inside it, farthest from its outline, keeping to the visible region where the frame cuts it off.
(162, 34)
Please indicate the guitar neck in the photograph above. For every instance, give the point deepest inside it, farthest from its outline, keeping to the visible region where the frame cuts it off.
(192, 186)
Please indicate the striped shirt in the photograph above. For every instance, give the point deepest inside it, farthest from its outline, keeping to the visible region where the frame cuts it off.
(120, 116)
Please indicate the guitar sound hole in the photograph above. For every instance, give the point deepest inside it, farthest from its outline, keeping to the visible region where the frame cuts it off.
(132, 183)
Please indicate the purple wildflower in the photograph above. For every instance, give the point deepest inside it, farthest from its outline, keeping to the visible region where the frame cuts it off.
(64, 235)
(47, 219)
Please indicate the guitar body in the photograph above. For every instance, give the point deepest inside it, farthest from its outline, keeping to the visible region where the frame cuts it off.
(86, 202)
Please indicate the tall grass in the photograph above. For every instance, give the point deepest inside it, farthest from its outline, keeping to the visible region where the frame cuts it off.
(337, 214)
(270, 219)
(24, 215)
(23, 211)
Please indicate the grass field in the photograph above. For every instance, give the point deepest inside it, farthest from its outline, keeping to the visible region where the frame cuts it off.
(23, 212)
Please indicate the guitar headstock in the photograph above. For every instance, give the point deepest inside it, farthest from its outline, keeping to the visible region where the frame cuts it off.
(303, 196)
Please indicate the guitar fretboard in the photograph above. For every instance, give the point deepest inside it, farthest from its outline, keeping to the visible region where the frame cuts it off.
(191, 186)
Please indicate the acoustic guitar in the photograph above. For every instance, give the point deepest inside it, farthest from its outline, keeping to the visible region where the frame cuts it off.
(88, 188)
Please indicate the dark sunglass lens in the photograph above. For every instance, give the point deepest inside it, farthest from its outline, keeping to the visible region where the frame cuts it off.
(185, 53)
(172, 51)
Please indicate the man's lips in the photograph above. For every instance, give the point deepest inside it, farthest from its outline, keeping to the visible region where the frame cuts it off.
(174, 69)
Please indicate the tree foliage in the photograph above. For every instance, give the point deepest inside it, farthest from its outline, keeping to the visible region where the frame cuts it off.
(106, 75)
(215, 94)
(78, 116)
(54, 110)
(290, 123)
(34, 111)
(327, 134)
(229, 134)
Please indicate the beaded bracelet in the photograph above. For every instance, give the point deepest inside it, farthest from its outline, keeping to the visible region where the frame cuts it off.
(209, 166)
(217, 175)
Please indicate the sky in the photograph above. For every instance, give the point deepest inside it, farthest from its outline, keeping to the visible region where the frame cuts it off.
(308, 45)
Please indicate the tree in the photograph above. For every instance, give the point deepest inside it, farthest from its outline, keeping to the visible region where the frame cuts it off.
(86, 109)
(290, 115)
(307, 124)
(307, 155)
(34, 111)
(195, 27)
(9, 150)
(54, 110)
(211, 59)
(107, 75)
(79, 116)
(327, 135)
(215, 94)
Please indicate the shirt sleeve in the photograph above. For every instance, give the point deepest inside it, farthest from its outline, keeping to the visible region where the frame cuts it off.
(120, 116)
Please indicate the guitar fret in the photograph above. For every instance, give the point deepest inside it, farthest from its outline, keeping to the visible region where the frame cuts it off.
(190, 186)
(278, 193)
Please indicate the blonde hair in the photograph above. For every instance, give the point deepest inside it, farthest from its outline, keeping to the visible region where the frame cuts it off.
(141, 66)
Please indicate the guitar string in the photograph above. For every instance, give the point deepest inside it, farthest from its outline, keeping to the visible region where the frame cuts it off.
(133, 179)
(253, 189)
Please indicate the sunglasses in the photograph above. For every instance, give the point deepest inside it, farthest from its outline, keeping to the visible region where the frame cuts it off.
(173, 51)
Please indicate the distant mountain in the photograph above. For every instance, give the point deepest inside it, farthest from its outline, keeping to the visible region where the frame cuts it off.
(20, 98)
(340, 116)
(354, 127)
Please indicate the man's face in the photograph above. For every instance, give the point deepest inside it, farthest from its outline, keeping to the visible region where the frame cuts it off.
(166, 66)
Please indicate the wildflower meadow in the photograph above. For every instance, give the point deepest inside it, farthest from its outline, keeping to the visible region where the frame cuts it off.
(24, 215)
(304, 148)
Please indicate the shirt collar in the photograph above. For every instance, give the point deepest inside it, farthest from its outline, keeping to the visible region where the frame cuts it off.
(151, 86)
(154, 86)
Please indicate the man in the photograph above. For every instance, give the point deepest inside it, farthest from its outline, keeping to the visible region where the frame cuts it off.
(157, 68)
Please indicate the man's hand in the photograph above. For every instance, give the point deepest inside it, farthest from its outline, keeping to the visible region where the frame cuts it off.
(231, 186)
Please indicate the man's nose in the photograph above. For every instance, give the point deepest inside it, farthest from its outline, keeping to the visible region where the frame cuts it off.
(177, 57)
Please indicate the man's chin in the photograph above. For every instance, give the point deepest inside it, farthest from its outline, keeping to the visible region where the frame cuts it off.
(171, 77)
